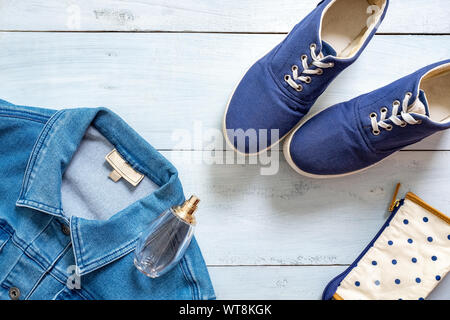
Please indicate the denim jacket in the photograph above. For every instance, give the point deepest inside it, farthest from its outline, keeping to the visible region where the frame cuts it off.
(46, 254)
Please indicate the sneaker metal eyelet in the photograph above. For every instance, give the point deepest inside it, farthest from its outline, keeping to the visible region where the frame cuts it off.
(308, 79)
(404, 124)
(294, 67)
(384, 110)
(319, 71)
(409, 94)
(299, 88)
(373, 115)
(396, 103)
(389, 128)
(331, 64)
(287, 77)
(313, 46)
(376, 132)
(304, 57)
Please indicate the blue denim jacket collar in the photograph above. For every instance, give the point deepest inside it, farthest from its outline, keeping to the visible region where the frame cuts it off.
(97, 243)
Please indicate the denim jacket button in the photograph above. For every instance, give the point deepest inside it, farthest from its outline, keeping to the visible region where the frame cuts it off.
(14, 293)
(65, 229)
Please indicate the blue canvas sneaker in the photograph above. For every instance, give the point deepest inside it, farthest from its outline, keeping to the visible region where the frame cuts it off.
(279, 89)
(355, 135)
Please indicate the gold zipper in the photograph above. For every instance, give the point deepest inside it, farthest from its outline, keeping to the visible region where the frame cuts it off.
(395, 202)
(411, 196)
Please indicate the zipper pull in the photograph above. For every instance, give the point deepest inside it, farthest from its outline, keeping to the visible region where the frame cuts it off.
(395, 202)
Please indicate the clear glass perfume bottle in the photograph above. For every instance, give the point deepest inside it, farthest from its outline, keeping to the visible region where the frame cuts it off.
(163, 243)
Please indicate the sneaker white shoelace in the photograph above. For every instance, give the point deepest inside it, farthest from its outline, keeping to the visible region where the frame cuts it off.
(406, 116)
(291, 80)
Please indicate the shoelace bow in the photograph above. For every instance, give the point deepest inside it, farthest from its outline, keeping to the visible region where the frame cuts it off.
(406, 116)
(291, 80)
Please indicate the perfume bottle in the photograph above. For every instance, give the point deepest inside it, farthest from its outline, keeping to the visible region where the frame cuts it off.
(164, 242)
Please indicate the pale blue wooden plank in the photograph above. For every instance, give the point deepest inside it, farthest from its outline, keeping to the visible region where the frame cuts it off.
(163, 83)
(289, 283)
(305, 283)
(412, 16)
(246, 218)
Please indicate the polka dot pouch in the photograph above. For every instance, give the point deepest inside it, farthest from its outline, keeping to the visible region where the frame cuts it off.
(406, 260)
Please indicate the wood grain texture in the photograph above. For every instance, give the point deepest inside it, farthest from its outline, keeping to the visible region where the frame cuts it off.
(263, 237)
(291, 283)
(165, 82)
(412, 16)
(294, 283)
(286, 219)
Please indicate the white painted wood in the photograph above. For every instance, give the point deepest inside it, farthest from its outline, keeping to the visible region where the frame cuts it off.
(272, 283)
(288, 231)
(306, 283)
(164, 83)
(412, 16)
(246, 218)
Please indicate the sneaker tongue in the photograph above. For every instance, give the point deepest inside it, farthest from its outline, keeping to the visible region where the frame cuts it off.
(327, 50)
(420, 106)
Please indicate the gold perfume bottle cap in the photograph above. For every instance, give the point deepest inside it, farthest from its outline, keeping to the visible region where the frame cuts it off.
(187, 209)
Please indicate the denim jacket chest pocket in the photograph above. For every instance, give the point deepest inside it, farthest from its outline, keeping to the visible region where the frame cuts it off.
(5, 233)
(68, 294)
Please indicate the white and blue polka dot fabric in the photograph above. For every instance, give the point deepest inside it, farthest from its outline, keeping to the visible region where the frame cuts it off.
(408, 259)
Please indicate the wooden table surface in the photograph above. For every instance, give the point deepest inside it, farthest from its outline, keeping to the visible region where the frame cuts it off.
(168, 68)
